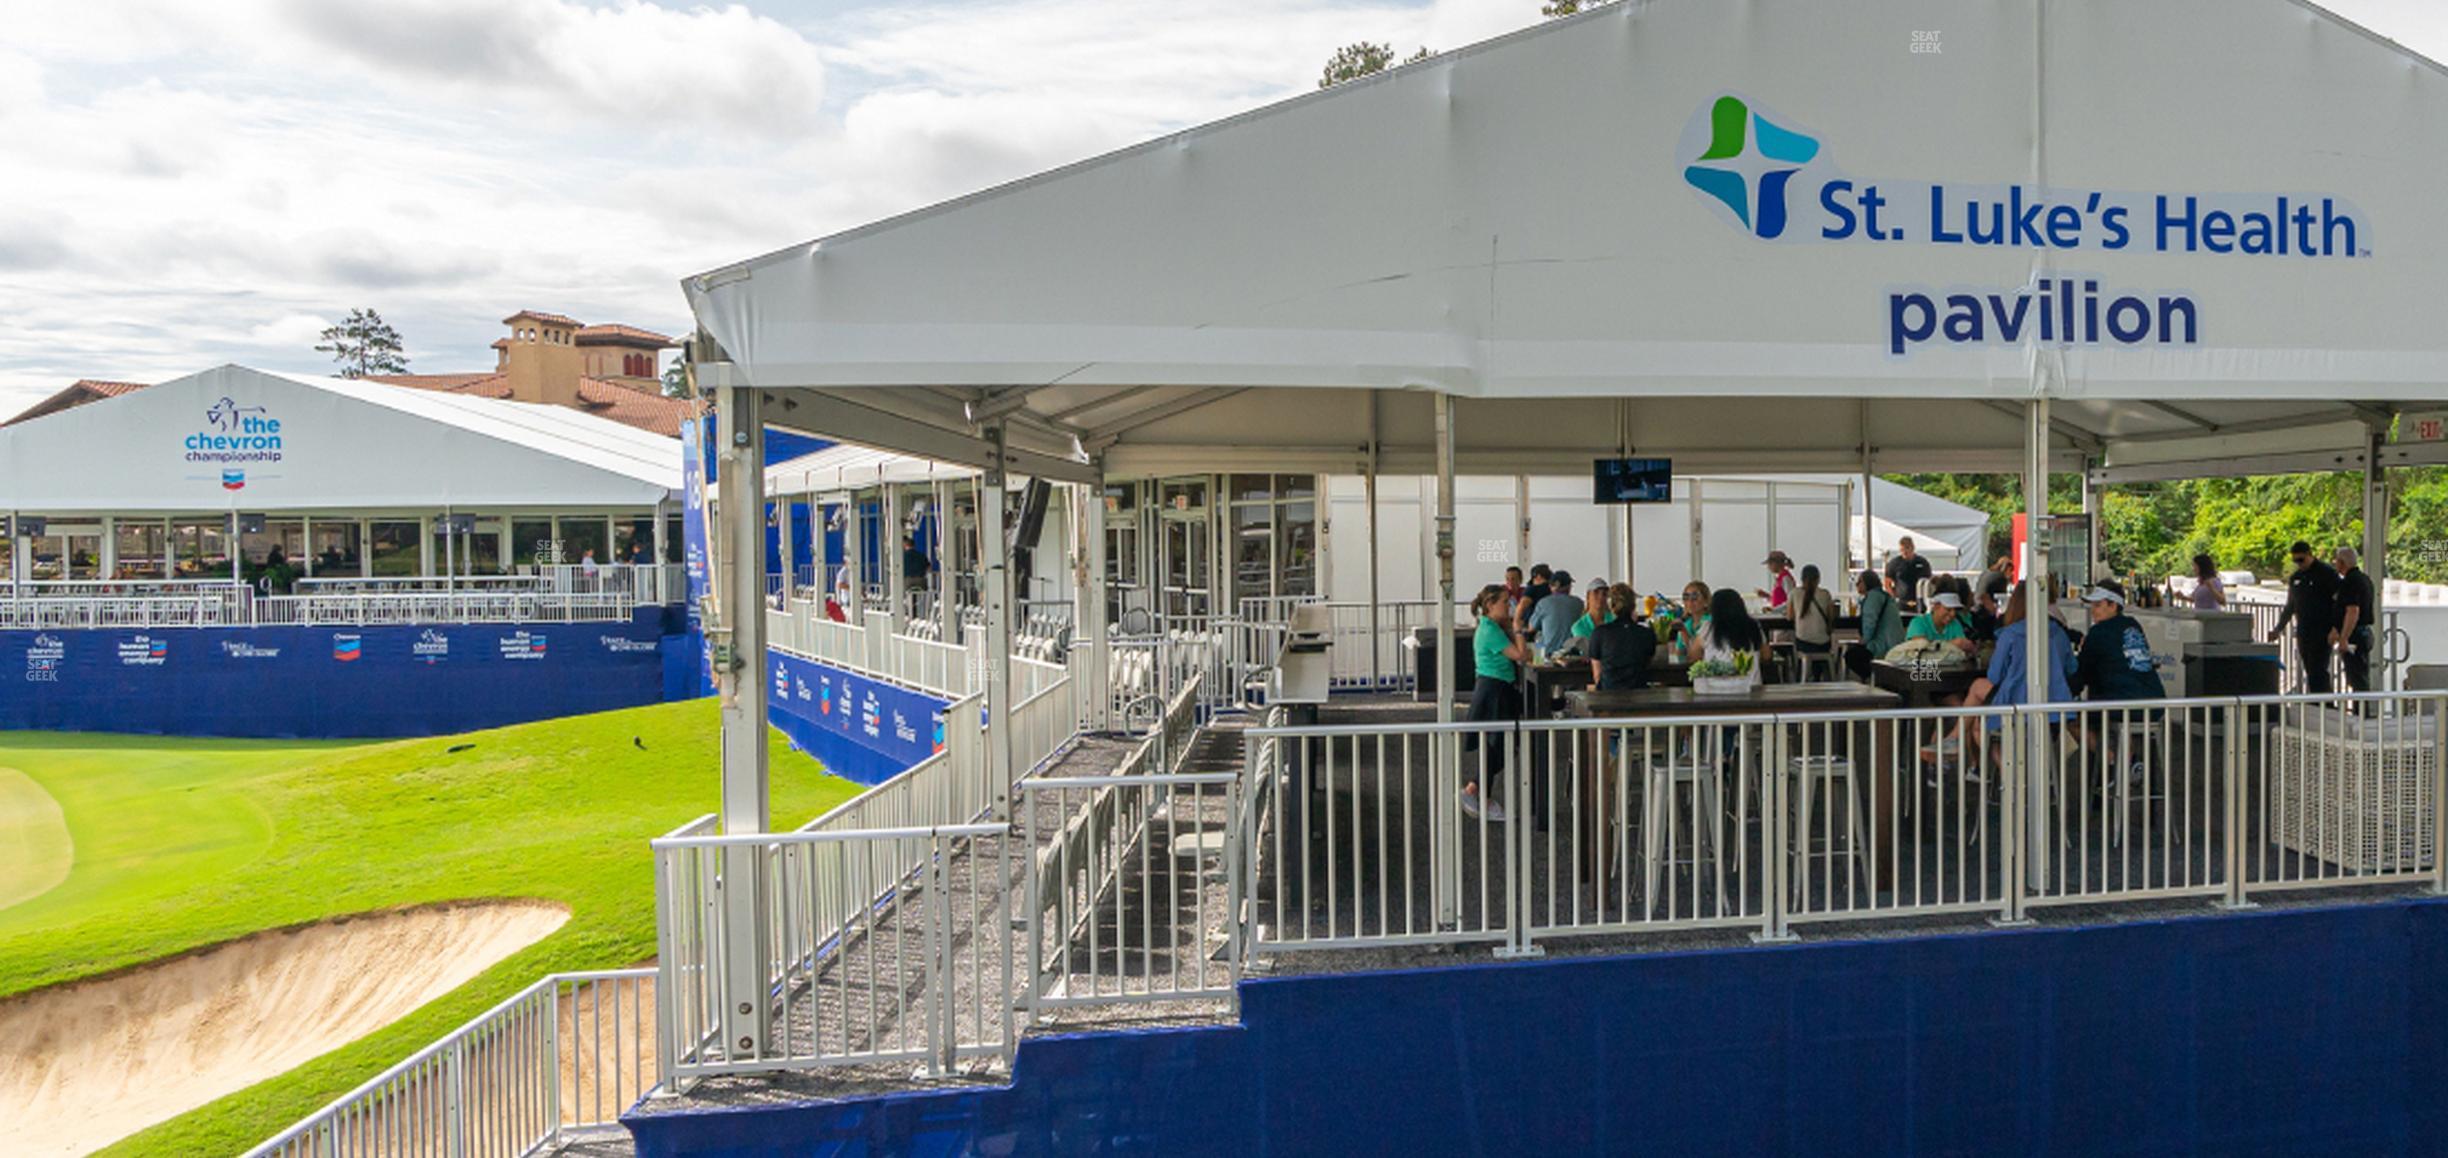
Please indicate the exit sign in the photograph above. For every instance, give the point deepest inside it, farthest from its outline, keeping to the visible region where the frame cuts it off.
(2432, 427)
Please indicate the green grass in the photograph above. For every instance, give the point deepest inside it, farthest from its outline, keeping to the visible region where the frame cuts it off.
(187, 843)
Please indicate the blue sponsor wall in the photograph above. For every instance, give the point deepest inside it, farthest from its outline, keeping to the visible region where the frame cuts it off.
(2281, 1032)
(860, 728)
(341, 682)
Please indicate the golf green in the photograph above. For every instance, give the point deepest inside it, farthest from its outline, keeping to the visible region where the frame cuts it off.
(179, 844)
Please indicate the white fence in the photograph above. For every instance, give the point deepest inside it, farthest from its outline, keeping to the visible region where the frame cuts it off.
(611, 596)
(558, 1061)
(1622, 827)
(866, 931)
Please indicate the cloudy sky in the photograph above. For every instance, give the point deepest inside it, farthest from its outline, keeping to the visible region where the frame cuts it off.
(191, 182)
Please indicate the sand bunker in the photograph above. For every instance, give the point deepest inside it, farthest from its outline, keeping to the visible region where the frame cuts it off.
(35, 850)
(85, 1064)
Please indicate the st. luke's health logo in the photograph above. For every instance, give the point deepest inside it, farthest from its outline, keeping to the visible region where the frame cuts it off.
(1743, 161)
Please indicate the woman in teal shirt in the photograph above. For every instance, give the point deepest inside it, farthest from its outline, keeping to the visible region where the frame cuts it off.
(1882, 624)
(1496, 649)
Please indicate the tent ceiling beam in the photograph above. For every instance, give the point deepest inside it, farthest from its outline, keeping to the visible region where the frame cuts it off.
(2081, 438)
(1105, 436)
(2183, 415)
(2303, 463)
(831, 416)
(1070, 412)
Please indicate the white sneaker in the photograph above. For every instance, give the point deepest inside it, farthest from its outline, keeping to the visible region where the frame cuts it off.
(1470, 805)
(1492, 811)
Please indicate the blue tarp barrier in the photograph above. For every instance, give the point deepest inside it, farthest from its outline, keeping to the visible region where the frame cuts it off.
(2281, 1032)
(334, 682)
(860, 728)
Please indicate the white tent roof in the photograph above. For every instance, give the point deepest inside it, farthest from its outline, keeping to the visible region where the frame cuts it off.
(1943, 555)
(293, 442)
(847, 467)
(1546, 221)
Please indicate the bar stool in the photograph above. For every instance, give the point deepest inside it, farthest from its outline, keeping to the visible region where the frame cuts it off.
(1666, 774)
(1808, 772)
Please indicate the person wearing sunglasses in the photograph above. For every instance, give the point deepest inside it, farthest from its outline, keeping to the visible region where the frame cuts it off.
(2311, 607)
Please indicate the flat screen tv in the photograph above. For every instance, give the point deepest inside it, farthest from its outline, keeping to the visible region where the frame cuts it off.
(1635, 480)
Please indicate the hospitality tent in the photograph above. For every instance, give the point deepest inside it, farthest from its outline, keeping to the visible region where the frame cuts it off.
(233, 437)
(2134, 239)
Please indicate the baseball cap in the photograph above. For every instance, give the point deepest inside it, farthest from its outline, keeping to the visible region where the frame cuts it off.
(2106, 591)
(1947, 599)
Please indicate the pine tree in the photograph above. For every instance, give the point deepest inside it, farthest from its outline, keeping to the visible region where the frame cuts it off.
(364, 345)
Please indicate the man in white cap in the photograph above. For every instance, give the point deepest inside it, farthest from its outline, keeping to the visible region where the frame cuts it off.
(2115, 661)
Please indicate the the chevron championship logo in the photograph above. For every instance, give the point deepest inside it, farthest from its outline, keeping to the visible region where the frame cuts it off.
(1746, 162)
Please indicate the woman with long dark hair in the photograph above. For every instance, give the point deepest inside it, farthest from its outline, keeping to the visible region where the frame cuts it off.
(2209, 594)
(1731, 631)
(1497, 651)
(1814, 615)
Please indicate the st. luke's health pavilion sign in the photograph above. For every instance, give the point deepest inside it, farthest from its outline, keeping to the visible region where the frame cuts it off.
(1764, 175)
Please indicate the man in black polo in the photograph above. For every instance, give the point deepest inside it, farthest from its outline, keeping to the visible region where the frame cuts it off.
(2312, 607)
(2356, 606)
(1906, 573)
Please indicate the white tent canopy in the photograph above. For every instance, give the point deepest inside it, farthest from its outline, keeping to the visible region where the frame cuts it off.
(232, 438)
(1582, 227)
(847, 467)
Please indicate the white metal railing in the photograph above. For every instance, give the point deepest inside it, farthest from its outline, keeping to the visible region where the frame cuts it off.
(948, 787)
(566, 595)
(373, 609)
(559, 1060)
(204, 605)
(1357, 835)
(1117, 909)
(1367, 650)
(865, 948)
(1043, 725)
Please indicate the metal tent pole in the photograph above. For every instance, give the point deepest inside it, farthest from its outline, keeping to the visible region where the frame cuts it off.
(996, 577)
(888, 554)
(2036, 618)
(1092, 596)
(1442, 804)
(739, 673)
(2375, 546)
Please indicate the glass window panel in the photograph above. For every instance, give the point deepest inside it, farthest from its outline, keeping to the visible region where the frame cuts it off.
(336, 548)
(583, 536)
(532, 542)
(1247, 488)
(203, 549)
(675, 540)
(286, 536)
(82, 548)
(1295, 486)
(392, 550)
(1185, 494)
(139, 551)
(1253, 559)
(1296, 548)
(633, 540)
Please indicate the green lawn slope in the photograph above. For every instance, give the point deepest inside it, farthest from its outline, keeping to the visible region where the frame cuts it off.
(181, 844)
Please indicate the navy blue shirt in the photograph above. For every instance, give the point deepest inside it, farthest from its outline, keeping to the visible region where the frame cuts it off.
(2116, 663)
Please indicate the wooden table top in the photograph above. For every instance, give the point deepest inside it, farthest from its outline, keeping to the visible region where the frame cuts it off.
(1838, 696)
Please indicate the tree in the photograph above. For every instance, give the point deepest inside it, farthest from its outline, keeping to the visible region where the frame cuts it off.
(364, 344)
(1555, 8)
(676, 379)
(1353, 61)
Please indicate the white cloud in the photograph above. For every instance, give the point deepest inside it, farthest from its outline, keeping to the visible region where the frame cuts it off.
(289, 330)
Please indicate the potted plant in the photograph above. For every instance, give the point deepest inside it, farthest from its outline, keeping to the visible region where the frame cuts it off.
(1719, 677)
